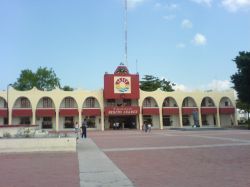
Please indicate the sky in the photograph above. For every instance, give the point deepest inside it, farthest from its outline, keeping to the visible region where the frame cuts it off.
(190, 42)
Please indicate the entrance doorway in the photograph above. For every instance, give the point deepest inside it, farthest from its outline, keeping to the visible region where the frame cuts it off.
(122, 122)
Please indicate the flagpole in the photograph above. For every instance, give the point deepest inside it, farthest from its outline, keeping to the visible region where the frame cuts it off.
(126, 33)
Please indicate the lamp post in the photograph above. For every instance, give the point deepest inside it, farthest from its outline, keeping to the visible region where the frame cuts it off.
(8, 103)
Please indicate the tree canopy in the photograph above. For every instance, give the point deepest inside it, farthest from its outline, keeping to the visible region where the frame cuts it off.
(152, 83)
(42, 79)
(243, 106)
(241, 79)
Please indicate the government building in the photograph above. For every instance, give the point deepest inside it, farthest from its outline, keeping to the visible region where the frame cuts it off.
(120, 102)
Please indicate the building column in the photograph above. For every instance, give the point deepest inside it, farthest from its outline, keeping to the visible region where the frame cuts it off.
(57, 120)
(9, 116)
(161, 120)
(218, 117)
(79, 118)
(199, 113)
(34, 117)
(102, 120)
(140, 121)
(180, 117)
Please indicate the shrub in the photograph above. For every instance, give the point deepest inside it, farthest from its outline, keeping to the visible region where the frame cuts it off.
(6, 135)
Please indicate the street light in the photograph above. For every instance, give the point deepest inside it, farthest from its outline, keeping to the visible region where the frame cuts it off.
(8, 103)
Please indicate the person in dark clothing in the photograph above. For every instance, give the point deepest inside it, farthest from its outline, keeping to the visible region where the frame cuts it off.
(84, 128)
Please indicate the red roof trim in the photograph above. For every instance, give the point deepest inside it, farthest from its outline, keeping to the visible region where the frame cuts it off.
(227, 110)
(41, 112)
(91, 111)
(188, 110)
(150, 111)
(170, 111)
(69, 112)
(208, 110)
(3, 112)
(22, 112)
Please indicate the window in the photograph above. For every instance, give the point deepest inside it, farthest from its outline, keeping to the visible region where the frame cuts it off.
(25, 120)
(226, 103)
(69, 122)
(210, 102)
(111, 102)
(90, 102)
(126, 102)
(148, 119)
(5, 121)
(167, 121)
(47, 123)
(185, 103)
(147, 102)
(69, 102)
(203, 103)
(47, 102)
(185, 120)
(166, 102)
(91, 122)
(25, 103)
(5, 104)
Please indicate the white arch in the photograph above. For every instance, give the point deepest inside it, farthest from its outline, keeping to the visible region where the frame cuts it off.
(19, 98)
(62, 101)
(96, 100)
(188, 104)
(170, 99)
(151, 99)
(207, 103)
(227, 102)
(53, 103)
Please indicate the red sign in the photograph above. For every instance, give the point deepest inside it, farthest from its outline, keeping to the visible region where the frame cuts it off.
(122, 111)
(128, 86)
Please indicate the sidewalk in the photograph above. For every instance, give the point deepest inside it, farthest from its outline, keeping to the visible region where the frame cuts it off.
(96, 169)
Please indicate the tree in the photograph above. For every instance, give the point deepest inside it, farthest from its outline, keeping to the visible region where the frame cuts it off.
(152, 83)
(67, 88)
(42, 79)
(46, 79)
(26, 81)
(241, 79)
(243, 106)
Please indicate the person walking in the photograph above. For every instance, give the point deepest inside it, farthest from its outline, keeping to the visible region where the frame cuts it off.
(84, 128)
(145, 126)
(76, 131)
(149, 127)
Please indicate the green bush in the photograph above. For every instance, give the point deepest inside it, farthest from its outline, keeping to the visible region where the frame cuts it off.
(6, 135)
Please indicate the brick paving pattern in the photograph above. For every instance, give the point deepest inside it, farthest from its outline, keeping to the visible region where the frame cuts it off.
(178, 158)
(164, 158)
(39, 170)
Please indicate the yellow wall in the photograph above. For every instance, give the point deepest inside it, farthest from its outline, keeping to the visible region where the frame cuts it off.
(58, 95)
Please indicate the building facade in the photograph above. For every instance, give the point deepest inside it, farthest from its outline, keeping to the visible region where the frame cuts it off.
(121, 103)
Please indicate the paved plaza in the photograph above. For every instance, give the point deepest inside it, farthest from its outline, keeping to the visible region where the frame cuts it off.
(180, 158)
(164, 158)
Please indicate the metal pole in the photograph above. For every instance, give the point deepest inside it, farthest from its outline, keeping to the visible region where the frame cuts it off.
(126, 33)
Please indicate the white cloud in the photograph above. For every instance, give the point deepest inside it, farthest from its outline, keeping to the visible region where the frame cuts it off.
(199, 39)
(134, 3)
(169, 7)
(218, 85)
(186, 24)
(169, 17)
(214, 85)
(181, 87)
(181, 45)
(235, 5)
(204, 2)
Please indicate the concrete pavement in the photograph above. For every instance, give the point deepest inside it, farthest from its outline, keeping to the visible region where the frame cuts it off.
(96, 169)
